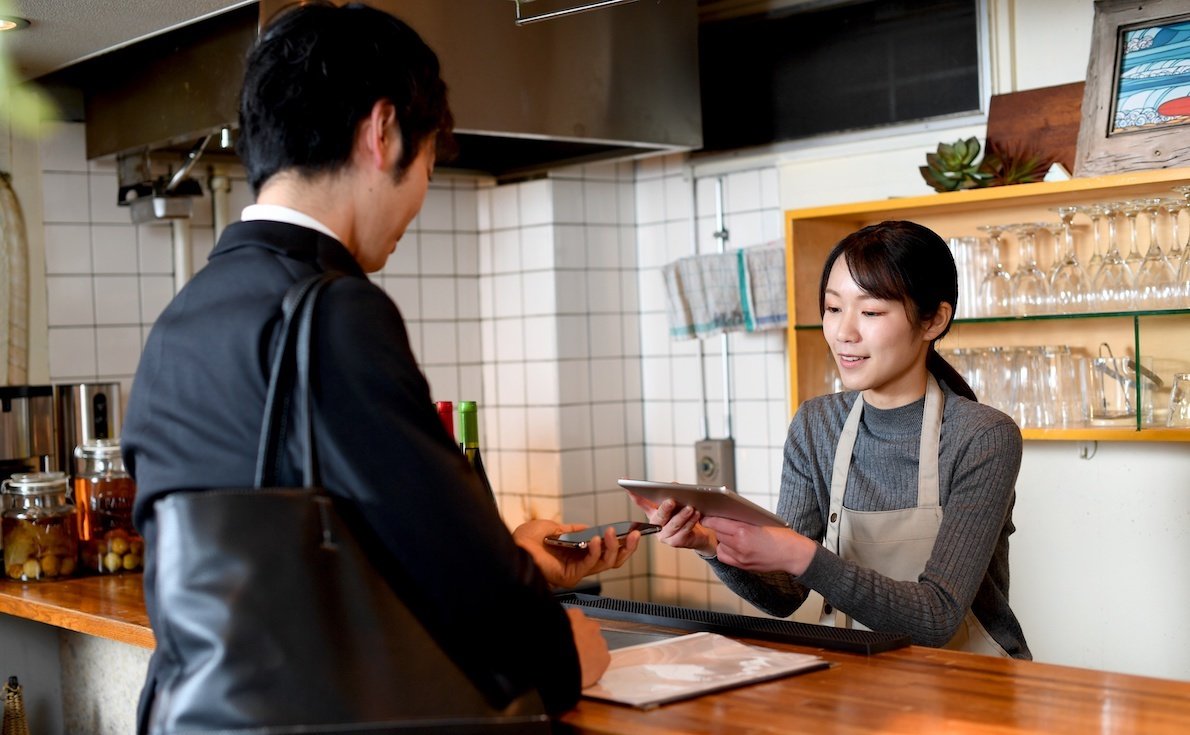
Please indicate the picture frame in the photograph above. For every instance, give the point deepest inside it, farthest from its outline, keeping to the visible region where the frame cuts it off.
(1136, 103)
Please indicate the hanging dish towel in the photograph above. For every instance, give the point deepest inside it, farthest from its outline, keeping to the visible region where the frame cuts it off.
(725, 292)
(704, 295)
(762, 287)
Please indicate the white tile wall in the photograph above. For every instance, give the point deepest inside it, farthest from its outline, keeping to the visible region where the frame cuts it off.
(542, 300)
(675, 394)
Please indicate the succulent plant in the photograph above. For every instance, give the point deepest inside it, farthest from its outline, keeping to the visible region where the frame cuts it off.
(953, 166)
(1006, 164)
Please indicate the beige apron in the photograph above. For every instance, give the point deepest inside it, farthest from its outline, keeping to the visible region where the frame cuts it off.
(895, 543)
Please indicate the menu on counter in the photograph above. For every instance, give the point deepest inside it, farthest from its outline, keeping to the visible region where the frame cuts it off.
(681, 667)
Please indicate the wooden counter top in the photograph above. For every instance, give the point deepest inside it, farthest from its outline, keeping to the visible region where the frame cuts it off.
(915, 691)
(108, 606)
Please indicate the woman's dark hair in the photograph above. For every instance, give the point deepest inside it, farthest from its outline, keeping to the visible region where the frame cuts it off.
(904, 261)
(316, 72)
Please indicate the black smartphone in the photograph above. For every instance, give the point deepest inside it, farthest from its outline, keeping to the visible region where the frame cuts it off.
(580, 539)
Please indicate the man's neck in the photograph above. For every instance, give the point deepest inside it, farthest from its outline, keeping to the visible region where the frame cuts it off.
(324, 198)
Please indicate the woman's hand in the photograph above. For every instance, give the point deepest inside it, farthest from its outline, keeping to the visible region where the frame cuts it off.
(564, 567)
(680, 527)
(761, 548)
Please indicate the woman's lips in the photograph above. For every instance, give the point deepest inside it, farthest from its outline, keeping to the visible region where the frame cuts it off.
(850, 360)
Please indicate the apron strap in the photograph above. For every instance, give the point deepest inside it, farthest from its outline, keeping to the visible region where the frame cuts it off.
(839, 473)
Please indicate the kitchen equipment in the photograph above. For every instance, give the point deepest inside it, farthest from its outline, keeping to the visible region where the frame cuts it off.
(26, 429)
(38, 527)
(86, 412)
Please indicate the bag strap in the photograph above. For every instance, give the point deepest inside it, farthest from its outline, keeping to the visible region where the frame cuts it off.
(291, 359)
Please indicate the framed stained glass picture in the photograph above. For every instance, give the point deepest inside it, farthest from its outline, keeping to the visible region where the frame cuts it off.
(1136, 103)
(1153, 81)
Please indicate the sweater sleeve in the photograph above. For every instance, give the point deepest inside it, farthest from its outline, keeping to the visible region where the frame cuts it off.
(778, 593)
(931, 608)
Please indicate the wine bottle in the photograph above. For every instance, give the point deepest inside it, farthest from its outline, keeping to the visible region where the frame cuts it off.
(446, 414)
(469, 441)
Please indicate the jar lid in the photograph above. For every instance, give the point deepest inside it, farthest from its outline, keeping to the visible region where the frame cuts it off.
(98, 448)
(35, 483)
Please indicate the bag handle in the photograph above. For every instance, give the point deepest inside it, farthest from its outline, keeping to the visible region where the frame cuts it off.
(291, 357)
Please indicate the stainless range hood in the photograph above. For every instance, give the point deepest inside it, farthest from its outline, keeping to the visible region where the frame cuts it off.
(614, 83)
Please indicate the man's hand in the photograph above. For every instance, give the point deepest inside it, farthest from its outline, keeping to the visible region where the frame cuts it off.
(564, 567)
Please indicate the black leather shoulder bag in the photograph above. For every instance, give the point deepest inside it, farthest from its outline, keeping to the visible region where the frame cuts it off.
(275, 617)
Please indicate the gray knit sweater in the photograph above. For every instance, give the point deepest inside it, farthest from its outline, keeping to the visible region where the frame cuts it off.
(979, 458)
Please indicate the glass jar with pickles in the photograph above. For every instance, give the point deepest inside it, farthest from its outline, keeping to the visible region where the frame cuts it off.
(104, 494)
(38, 527)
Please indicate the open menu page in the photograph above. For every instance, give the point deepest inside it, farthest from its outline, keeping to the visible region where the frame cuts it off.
(681, 667)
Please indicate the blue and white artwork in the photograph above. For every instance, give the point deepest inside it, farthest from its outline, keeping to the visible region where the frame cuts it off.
(1153, 88)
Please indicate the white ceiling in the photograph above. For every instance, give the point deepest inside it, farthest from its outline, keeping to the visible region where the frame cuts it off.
(62, 32)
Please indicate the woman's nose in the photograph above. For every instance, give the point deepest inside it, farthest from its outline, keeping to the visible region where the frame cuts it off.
(845, 328)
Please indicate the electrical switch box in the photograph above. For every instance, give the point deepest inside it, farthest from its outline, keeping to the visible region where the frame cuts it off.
(715, 462)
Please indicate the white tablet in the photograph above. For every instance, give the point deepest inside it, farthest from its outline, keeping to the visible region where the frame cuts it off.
(706, 499)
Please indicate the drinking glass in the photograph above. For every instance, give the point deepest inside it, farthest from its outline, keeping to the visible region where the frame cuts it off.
(1096, 213)
(995, 289)
(1173, 209)
(1179, 401)
(1113, 285)
(1130, 209)
(1069, 285)
(1054, 234)
(1181, 286)
(1155, 278)
(1063, 396)
(970, 263)
(1185, 192)
(1030, 406)
(998, 379)
(1030, 288)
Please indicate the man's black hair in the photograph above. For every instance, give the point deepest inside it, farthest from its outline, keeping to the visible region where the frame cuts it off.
(316, 71)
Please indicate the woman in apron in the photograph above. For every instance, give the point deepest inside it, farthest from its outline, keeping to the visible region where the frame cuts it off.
(898, 491)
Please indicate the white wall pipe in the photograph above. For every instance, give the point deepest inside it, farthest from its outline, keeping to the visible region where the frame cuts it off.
(182, 247)
(220, 186)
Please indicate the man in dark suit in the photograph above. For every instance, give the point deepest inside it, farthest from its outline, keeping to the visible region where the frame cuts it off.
(341, 113)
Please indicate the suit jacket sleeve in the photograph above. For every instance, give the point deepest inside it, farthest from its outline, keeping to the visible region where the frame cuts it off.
(381, 445)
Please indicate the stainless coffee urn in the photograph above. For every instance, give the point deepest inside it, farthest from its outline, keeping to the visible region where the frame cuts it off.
(86, 412)
(27, 429)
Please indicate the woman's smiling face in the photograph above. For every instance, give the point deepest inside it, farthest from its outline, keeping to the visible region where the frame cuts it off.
(877, 348)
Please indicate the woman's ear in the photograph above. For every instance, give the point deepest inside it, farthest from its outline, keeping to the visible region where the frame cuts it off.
(938, 323)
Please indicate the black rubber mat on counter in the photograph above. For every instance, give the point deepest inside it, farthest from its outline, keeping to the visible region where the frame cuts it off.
(866, 642)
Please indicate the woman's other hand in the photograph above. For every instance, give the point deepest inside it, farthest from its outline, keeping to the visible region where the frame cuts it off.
(761, 548)
(680, 527)
(564, 567)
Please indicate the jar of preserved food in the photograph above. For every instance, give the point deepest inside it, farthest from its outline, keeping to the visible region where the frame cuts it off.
(104, 493)
(39, 529)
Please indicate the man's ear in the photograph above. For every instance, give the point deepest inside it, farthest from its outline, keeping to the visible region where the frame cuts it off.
(938, 323)
(378, 136)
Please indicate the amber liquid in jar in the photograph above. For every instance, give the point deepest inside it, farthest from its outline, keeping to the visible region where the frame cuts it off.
(106, 539)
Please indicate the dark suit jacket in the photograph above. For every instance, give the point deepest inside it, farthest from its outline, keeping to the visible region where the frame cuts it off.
(194, 418)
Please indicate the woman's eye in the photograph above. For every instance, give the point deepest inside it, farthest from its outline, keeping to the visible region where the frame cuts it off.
(872, 313)
(832, 309)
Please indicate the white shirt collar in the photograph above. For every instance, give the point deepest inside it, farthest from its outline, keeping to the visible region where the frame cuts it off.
(278, 213)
